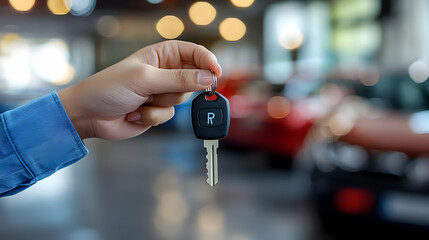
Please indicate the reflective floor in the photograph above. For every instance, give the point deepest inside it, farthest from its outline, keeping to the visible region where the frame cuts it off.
(153, 187)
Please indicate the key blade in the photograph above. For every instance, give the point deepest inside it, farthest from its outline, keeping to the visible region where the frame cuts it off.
(212, 175)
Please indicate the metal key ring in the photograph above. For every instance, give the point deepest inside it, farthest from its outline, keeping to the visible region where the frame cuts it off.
(212, 88)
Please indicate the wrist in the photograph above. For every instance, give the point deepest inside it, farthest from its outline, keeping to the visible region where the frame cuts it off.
(70, 100)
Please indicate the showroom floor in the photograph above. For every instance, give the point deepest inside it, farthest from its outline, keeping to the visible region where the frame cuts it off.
(153, 187)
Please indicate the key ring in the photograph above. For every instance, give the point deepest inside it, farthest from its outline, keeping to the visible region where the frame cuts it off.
(212, 88)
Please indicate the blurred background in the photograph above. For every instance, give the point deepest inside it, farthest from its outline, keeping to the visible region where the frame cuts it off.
(329, 122)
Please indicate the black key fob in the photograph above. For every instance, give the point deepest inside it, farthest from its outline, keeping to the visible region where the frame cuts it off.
(210, 118)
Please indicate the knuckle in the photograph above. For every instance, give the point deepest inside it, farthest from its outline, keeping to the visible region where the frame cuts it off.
(148, 116)
(200, 52)
(180, 99)
(180, 77)
(201, 47)
(157, 118)
(144, 71)
(143, 78)
(177, 99)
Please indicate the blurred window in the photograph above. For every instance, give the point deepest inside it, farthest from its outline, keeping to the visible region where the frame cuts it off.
(296, 40)
(356, 30)
(39, 65)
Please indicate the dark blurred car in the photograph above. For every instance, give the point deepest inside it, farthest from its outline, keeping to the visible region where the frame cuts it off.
(361, 192)
(372, 179)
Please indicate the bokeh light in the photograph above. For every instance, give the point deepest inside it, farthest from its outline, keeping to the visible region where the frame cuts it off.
(202, 13)
(242, 3)
(340, 124)
(82, 7)
(6, 40)
(15, 70)
(108, 26)
(172, 208)
(59, 7)
(369, 77)
(22, 5)
(419, 122)
(331, 93)
(419, 71)
(171, 214)
(278, 107)
(291, 38)
(170, 27)
(210, 222)
(50, 63)
(232, 29)
(155, 1)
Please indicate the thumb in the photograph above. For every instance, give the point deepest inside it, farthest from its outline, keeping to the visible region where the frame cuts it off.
(158, 80)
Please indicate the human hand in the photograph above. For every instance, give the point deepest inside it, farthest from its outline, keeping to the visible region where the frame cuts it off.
(126, 99)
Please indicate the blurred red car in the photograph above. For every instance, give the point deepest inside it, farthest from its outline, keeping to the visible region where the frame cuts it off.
(260, 121)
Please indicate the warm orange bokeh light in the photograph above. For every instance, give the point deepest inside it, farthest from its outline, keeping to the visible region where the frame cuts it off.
(59, 7)
(242, 3)
(278, 107)
(202, 13)
(232, 29)
(170, 27)
(22, 5)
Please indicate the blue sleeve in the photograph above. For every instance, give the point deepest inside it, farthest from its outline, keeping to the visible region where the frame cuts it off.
(36, 140)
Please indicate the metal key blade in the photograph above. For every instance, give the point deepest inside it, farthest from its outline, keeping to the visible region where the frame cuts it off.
(211, 146)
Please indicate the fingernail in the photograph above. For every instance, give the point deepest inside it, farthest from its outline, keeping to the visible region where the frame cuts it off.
(205, 77)
(134, 116)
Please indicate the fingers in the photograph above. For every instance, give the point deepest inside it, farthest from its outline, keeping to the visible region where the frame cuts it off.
(175, 54)
(199, 56)
(173, 67)
(158, 81)
(168, 99)
(158, 110)
(151, 115)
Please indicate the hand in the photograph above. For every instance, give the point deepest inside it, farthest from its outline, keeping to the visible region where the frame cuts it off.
(126, 99)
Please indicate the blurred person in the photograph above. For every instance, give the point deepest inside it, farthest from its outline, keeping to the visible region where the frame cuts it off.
(119, 102)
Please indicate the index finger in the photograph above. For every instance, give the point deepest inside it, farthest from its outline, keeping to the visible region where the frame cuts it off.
(199, 56)
(175, 54)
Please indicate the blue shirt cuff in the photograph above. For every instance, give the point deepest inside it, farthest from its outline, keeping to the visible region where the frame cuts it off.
(36, 140)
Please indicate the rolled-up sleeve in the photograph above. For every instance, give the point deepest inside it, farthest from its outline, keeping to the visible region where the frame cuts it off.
(36, 140)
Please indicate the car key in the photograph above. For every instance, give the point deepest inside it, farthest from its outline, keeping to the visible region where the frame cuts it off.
(210, 122)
